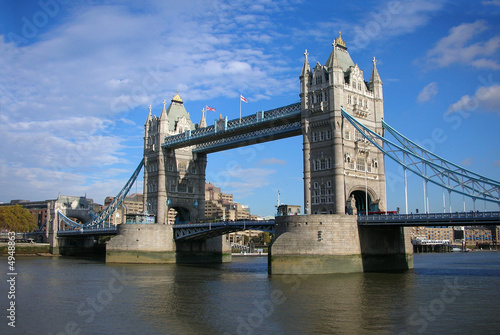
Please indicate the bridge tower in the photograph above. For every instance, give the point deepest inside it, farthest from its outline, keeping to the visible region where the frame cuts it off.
(174, 180)
(343, 175)
(339, 165)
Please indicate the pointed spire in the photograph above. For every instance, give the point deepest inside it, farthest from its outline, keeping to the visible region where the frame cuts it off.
(163, 114)
(150, 117)
(339, 41)
(333, 60)
(305, 68)
(375, 78)
(203, 121)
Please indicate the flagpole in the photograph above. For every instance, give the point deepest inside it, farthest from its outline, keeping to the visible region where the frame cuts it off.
(240, 108)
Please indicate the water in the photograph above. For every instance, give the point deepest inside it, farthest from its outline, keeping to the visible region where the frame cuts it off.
(454, 293)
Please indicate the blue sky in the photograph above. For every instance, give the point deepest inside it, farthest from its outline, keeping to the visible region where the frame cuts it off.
(77, 77)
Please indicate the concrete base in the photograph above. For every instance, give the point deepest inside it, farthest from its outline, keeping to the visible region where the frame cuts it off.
(321, 244)
(76, 246)
(214, 250)
(315, 244)
(386, 248)
(141, 243)
(154, 243)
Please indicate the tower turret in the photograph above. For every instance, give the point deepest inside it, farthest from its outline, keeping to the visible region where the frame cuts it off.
(305, 77)
(203, 121)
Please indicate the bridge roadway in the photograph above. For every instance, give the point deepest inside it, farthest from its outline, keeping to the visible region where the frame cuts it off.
(431, 219)
(257, 128)
(202, 231)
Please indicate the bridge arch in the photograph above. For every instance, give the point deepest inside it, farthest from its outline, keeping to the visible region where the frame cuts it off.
(359, 195)
(179, 214)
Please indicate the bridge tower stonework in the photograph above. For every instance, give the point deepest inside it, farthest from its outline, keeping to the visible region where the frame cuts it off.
(343, 175)
(174, 180)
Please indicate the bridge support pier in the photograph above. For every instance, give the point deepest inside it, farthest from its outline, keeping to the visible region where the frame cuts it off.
(77, 246)
(142, 243)
(322, 244)
(214, 250)
(315, 244)
(386, 248)
(154, 243)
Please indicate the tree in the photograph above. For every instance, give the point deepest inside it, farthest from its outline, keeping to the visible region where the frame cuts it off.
(16, 218)
(266, 237)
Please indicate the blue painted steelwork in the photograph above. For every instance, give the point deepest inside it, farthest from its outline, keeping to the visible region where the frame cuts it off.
(202, 231)
(430, 166)
(251, 137)
(39, 229)
(431, 219)
(247, 125)
(100, 220)
(86, 231)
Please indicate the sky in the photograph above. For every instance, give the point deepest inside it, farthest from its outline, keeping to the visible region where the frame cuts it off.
(77, 77)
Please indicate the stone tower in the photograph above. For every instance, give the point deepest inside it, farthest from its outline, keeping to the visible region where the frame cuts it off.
(174, 180)
(340, 167)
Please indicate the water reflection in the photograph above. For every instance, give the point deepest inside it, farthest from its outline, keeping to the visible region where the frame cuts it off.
(445, 293)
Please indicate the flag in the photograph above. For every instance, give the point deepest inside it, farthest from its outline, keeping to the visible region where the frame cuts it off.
(242, 98)
(210, 109)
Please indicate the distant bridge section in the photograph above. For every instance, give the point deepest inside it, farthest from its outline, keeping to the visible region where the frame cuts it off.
(431, 219)
(261, 127)
(203, 231)
(88, 231)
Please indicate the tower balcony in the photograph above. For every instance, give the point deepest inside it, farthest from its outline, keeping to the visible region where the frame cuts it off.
(318, 107)
(360, 111)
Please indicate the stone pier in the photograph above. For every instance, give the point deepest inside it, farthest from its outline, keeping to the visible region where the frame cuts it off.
(322, 244)
(154, 243)
(142, 243)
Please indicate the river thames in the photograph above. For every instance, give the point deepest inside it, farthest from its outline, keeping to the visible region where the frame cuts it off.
(453, 293)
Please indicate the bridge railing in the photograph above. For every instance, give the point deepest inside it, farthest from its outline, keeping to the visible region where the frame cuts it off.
(430, 216)
(87, 231)
(248, 223)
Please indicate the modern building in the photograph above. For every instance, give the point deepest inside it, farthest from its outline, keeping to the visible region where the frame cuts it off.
(474, 236)
(133, 204)
(288, 210)
(219, 205)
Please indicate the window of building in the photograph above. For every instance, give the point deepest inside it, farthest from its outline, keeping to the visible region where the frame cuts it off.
(360, 164)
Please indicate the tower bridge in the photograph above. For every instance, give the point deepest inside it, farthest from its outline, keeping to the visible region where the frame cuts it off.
(341, 120)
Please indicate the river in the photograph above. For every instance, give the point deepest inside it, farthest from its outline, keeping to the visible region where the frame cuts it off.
(452, 293)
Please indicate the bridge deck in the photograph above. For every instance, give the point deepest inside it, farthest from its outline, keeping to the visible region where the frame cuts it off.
(202, 231)
(257, 128)
(87, 232)
(431, 219)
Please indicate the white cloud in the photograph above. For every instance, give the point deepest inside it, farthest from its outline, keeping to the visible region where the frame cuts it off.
(466, 162)
(272, 161)
(491, 2)
(242, 182)
(428, 92)
(65, 94)
(391, 19)
(486, 99)
(458, 47)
